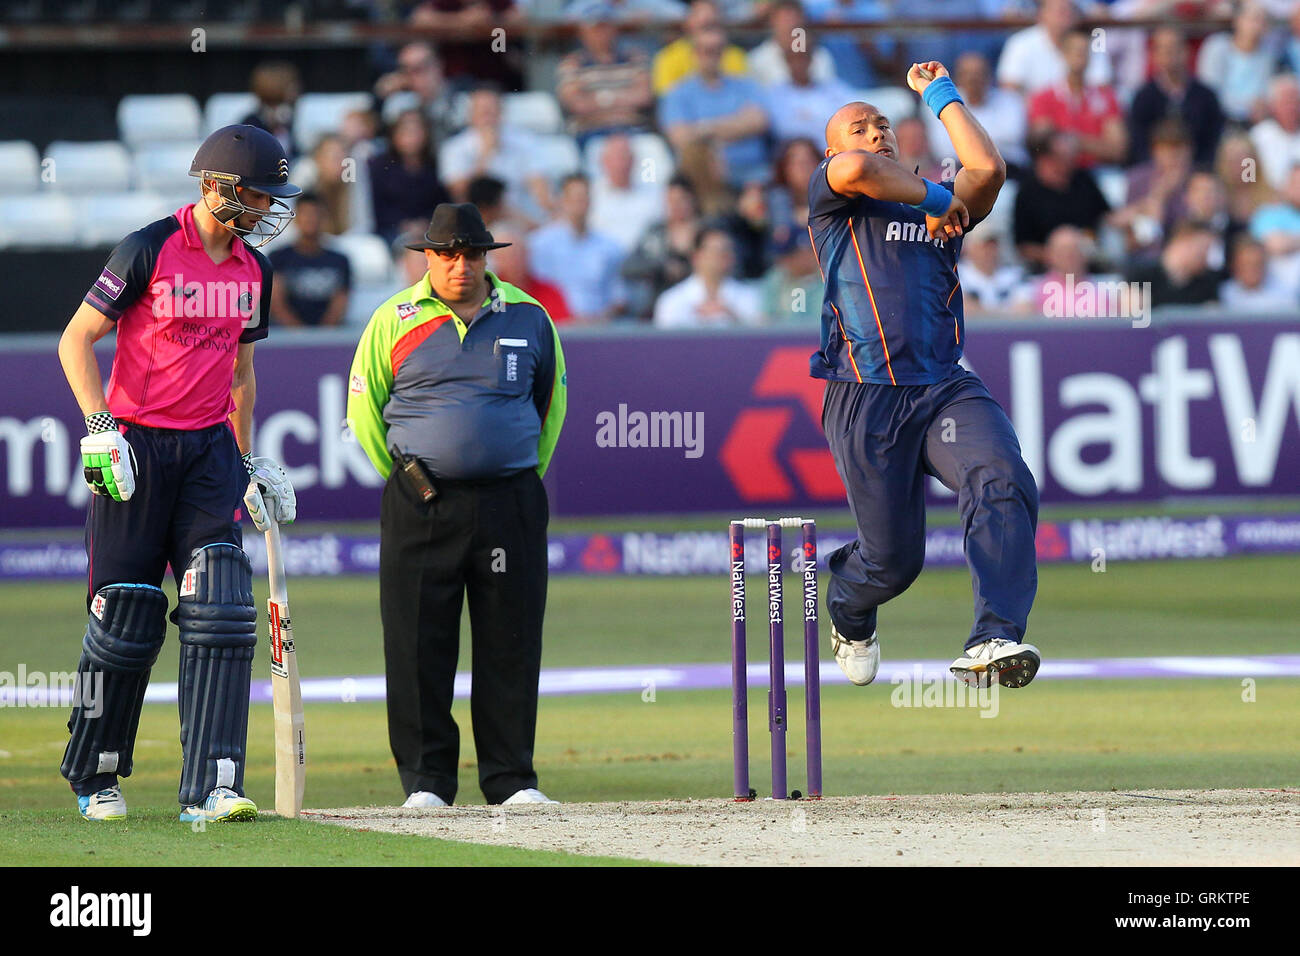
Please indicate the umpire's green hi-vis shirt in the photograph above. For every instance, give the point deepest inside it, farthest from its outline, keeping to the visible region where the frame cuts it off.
(481, 400)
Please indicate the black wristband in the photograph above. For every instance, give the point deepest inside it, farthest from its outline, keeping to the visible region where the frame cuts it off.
(100, 422)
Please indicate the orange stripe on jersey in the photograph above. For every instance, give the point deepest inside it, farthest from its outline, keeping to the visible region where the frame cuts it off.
(889, 366)
(956, 334)
(839, 321)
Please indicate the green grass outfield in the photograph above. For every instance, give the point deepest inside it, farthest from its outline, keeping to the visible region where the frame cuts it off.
(1056, 735)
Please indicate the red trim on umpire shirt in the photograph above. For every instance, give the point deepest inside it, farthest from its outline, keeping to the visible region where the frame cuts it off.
(409, 342)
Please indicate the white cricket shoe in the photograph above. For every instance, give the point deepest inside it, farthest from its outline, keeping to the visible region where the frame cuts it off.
(1006, 662)
(423, 799)
(222, 804)
(529, 796)
(107, 804)
(859, 660)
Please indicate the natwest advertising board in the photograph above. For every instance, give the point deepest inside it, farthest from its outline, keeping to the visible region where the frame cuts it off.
(731, 421)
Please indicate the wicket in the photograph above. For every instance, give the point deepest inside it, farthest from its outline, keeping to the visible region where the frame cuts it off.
(776, 698)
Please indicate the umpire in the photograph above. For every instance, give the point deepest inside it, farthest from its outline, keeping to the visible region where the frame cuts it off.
(457, 394)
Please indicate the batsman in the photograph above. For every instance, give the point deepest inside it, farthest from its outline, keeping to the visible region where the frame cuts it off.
(167, 457)
(898, 406)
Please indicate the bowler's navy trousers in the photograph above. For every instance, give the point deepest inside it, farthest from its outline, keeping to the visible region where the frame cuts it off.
(885, 440)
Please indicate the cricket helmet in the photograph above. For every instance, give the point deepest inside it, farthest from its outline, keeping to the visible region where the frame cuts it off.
(247, 157)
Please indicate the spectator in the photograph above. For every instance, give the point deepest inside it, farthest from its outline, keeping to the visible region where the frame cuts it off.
(333, 188)
(1237, 65)
(709, 296)
(1157, 190)
(1000, 111)
(465, 61)
(791, 290)
(1277, 138)
(1055, 193)
(1066, 258)
(417, 83)
(663, 256)
(1206, 204)
(750, 228)
(510, 264)
(1238, 169)
(677, 61)
(411, 263)
(359, 141)
(583, 263)
(1091, 113)
(800, 106)
(1173, 91)
(767, 61)
(719, 111)
(312, 282)
(1252, 288)
(487, 147)
(488, 194)
(1032, 59)
(1182, 275)
(787, 198)
(277, 86)
(404, 183)
(1289, 60)
(603, 86)
(861, 58)
(629, 12)
(702, 166)
(914, 151)
(1277, 225)
(621, 206)
(987, 284)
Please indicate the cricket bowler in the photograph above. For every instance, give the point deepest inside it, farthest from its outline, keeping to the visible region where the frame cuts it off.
(167, 457)
(898, 406)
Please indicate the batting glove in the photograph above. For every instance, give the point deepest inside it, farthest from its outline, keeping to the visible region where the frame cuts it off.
(107, 460)
(281, 504)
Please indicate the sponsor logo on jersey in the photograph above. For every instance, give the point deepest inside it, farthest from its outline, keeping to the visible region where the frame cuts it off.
(110, 284)
(356, 385)
(407, 310)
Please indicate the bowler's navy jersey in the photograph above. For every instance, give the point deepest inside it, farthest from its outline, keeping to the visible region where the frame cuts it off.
(892, 313)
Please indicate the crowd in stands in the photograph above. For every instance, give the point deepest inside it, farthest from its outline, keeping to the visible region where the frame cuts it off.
(673, 189)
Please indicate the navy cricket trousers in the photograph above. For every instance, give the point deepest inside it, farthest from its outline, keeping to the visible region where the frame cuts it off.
(189, 487)
(885, 440)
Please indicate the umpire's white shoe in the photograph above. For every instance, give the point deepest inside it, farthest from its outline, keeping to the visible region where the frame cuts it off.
(107, 804)
(529, 796)
(1006, 662)
(423, 799)
(859, 660)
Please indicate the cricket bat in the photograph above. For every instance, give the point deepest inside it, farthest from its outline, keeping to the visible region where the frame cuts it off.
(286, 689)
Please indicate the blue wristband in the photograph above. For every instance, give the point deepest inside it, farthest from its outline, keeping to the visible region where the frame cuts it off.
(940, 93)
(936, 202)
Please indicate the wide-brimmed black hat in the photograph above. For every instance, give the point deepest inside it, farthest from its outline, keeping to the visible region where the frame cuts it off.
(456, 226)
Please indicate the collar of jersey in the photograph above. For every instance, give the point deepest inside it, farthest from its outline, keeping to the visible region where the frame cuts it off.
(190, 232)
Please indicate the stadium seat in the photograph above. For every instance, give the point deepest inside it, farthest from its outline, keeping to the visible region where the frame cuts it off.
(226, 109)
(557, 155)
(105, 219)
(645, 146)
(537, 110)
(369, 256)
(20, 167)
(164, 167)
(39, 221)
(89, 167)
(158, 117)
(319, 113)
(896, 102)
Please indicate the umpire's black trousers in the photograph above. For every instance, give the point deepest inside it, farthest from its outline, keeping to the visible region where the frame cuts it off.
(488, 540)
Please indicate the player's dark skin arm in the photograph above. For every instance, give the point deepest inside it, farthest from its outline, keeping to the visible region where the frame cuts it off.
(243, 389)
(983, 171)
(77, 356)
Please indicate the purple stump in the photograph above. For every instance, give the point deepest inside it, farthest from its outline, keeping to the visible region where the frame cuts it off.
(739, 680)
(811, 662)
(776, 696)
